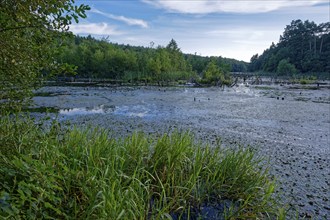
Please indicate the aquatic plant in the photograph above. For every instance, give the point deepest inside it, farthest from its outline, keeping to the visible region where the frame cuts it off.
(84, 174)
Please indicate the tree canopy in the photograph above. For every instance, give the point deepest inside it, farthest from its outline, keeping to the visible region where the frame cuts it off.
(303, 44)
(102, 59)
(27, 32)
(216, 74)
(284, 68)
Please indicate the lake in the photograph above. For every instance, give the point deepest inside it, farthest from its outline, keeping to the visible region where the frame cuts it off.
(288, 124)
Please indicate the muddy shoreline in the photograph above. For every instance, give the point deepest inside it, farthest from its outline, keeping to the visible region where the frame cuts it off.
(289, 124)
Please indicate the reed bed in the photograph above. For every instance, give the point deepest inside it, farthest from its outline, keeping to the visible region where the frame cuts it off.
(59, 173)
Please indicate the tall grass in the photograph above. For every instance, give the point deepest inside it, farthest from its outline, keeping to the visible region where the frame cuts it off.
(84, 174)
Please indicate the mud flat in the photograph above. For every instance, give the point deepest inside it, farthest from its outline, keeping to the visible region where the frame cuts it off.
(288, 124)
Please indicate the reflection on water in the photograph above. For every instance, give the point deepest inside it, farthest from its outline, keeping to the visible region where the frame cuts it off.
(244, 88)
(130, 111)
(102, 109)
(41, 110)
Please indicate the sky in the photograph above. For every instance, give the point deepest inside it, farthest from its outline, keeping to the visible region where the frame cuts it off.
(229, 28)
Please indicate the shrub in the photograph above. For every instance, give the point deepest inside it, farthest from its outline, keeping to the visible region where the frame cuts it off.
(285, 68)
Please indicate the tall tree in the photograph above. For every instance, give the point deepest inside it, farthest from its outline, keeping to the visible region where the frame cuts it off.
(304, 43)
(213, 74)
(173, 46)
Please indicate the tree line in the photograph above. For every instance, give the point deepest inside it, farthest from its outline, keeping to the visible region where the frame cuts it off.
(95, 58)
(303, 48)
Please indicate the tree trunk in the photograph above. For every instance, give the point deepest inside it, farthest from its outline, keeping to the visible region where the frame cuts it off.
(321, 45)
(315, 45)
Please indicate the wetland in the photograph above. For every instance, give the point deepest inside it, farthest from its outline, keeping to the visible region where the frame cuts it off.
(287, 124)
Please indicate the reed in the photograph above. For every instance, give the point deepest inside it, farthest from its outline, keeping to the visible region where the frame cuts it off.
(78, 173)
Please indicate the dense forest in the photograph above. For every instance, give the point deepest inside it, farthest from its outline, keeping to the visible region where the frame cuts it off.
(101, 59)
(304, 48)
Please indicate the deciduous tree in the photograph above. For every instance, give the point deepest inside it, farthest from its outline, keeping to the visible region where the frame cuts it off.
(285, 68)
(27, 32)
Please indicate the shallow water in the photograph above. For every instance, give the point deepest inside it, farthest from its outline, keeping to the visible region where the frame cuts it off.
(290, 125)
(101, 109)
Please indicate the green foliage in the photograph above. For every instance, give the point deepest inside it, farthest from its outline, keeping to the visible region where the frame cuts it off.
(217, 75)
(101, 59)
(84, 174)
(307, 80)
(305, 44)
(173, 46)
(27, 31)
(213, 72)
(199, 63)
(285, 68)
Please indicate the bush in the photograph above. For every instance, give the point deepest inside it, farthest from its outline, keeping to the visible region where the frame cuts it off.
(285, 68)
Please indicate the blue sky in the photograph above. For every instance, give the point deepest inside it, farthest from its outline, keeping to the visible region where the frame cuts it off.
(229, 28)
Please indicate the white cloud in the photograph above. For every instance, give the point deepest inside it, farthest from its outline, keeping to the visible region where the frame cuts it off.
(246, 34)
(241, 6)
(129, 21)
(94, 29)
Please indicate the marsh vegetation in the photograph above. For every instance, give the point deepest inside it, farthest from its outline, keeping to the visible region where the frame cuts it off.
(155, 152)
(84, 173)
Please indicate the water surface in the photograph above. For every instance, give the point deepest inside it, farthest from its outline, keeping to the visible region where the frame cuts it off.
(289, 125)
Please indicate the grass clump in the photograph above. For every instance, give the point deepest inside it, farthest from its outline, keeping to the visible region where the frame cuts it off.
(84, 174)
